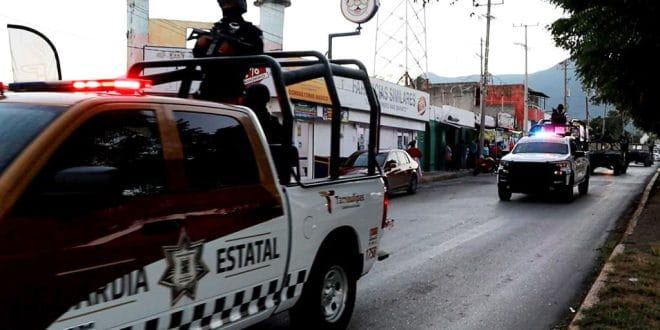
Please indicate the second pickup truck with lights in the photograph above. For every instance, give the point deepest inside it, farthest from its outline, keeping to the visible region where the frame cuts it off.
(544, 163)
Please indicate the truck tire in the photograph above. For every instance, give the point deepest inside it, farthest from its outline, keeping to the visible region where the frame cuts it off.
(328, 297)
(617, 170)
(504, 193)
(566, 194)
(412, 185)
(583, 187)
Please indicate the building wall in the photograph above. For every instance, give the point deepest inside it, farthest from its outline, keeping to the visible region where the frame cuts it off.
(514, 96)
(172, 33)
(461, 95)
(499, 98)
(137, 33)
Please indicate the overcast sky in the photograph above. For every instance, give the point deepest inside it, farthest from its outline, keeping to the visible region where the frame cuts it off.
(91, 34)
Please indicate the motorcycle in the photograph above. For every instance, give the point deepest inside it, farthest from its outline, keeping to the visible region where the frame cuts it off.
(485, 164)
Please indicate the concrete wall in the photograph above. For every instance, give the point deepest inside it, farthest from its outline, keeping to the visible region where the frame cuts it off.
(172, 33)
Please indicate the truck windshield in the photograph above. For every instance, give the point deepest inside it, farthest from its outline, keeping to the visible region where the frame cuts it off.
(19, 125)
(541, 148)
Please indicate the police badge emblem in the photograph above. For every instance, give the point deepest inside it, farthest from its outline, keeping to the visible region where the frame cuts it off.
(185, 267)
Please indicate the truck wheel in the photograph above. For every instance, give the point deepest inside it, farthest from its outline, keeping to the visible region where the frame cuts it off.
(566, 194)
(504, 193)
(328, 296)
(412, 185)
(617, 170)
(583, 188)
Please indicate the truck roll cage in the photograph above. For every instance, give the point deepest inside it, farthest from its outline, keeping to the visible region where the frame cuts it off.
(300, 66)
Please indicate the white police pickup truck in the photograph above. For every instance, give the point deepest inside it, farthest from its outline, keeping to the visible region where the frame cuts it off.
(125, 210)
(544, 162)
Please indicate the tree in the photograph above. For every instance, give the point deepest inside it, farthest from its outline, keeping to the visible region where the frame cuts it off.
(613, 44)
(614, 127)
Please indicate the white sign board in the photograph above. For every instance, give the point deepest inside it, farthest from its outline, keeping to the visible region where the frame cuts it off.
(394, 100)
(153, 53)
(453, 116)
(505, 120)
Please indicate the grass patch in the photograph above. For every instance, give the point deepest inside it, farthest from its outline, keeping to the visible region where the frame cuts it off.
(630, 298)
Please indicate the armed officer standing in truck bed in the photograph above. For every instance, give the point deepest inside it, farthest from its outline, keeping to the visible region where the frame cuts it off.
(231, 36)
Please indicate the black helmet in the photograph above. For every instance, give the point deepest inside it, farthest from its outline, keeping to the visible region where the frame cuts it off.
(241, 4)
(257, 94)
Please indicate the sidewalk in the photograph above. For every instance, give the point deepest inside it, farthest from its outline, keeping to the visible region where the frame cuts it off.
(432, 176)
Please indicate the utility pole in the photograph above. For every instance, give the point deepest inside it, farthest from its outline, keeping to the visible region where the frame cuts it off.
(484, 78)
(526, 94)
(565, 65)
(586, 104)
(602, 130)
(481, 57)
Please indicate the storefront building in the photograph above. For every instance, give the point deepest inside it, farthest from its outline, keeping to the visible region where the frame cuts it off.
(404, 117)
(451, 127)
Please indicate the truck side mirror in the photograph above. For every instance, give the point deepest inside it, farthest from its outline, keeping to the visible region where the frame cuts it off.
(77, 188)
(390, 164)
(86, 180)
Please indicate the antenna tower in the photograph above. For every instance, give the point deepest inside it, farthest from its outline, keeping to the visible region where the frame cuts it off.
(400, 52)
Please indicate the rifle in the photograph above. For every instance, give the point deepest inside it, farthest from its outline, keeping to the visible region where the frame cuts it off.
(217, 37)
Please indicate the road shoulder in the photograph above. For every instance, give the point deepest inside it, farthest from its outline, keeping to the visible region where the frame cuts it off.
(627, 290)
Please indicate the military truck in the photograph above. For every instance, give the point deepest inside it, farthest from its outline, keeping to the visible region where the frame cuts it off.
(640, 154)
(610, 154)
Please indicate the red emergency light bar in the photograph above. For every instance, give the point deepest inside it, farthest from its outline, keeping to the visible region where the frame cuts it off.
(122, 86)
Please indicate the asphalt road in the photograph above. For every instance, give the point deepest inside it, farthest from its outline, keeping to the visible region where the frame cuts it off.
(461, 259)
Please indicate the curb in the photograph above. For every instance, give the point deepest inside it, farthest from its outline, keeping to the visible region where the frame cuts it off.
(428, 178)
(592, 296)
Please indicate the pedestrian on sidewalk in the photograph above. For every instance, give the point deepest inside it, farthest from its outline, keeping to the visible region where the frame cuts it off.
(448, 157)
(472, 154)
(416, 154)
(463, 154)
